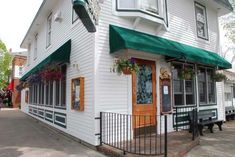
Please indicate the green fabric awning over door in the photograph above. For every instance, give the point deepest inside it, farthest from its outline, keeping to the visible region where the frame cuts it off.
(61, 55)
(122, 38)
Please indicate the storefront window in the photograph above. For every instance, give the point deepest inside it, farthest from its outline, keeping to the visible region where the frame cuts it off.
(206, 86)
(211, 86)
(60, 92)
(184, 91)
(202, 85)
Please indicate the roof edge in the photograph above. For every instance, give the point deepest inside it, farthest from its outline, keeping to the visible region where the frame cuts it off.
(39, 10)
(225, 3)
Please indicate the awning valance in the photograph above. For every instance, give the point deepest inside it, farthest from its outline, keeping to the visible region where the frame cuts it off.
(122, 38)
(61, 55)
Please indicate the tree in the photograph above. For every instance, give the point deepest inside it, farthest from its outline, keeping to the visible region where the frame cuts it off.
(228, 24)
(5, 63)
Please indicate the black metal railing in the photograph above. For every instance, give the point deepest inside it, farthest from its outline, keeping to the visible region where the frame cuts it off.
(136, 134)
(194, 123)
(185, 118)
(180, 117)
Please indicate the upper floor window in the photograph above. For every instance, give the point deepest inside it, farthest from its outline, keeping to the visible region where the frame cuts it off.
(20, 71)
(150, 6)
(36, 46)
(29, 51)
(49, 24)
(201, 21)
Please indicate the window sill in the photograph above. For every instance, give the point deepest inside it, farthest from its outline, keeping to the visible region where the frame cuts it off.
(75, 23)
(49, 106)
(48, 47)
(202, 40)
(61, 108)
(156, 18)
(211, 104)
(184, 106)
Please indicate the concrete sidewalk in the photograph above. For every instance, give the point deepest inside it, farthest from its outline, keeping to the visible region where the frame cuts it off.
(22, 136)
(217, 144)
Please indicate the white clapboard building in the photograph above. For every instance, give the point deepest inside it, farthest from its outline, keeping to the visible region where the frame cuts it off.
(70, 82)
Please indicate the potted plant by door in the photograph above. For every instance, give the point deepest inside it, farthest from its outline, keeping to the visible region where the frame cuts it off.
(125, 66)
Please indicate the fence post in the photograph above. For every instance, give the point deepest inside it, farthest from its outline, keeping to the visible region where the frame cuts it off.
(101, 128)
(193, 129)
(165, 135)
(176, 118)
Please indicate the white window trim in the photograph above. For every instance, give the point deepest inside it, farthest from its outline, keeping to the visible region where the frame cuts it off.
(207, 92)
(184, 90)
(161, 17)
(29, 51)
(49, 31)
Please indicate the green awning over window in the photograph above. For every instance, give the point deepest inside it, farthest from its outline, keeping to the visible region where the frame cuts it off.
(61, 55)
(122, 38)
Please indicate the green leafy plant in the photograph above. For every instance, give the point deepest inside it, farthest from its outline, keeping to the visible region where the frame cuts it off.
(218, 77)
(187, 73)
(125, 66)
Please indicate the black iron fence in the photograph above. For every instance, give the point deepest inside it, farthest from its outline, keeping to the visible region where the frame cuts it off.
(185, 118)
(137, 134)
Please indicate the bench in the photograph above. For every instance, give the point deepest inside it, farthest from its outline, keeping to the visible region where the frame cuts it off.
(205, 118)
(229, 113)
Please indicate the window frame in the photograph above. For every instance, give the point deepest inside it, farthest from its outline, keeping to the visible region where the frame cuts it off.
(207, 103)
(73, 16)
(35, 46)
(62, 91)
(29, 55)
(49, 30)
(196, 4)
(184, 87)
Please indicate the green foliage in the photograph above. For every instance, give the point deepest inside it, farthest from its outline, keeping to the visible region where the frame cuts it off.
(228, 24)
(218, 77)
(121, 65)
(5, 63)
(187, 73)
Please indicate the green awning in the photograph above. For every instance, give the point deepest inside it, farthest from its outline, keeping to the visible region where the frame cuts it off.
(61, 55)
(122, 38)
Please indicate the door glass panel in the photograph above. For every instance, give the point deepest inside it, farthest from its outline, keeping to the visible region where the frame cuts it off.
(144, 85)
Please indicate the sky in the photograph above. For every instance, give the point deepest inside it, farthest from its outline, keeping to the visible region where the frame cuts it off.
(16, 17)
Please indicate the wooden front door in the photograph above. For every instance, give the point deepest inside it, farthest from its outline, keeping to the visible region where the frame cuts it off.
(144, 94)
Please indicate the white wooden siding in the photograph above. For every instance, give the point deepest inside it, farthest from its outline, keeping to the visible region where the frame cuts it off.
(106, 91)
(113, 92)
(79, 124)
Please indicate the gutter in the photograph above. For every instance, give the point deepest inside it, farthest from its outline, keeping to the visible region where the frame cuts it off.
(39, 10)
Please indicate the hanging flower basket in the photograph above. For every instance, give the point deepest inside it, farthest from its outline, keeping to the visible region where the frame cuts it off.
(187, 73)
(51, 72)
(34, 79)
(125, 66)
(219, 77)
